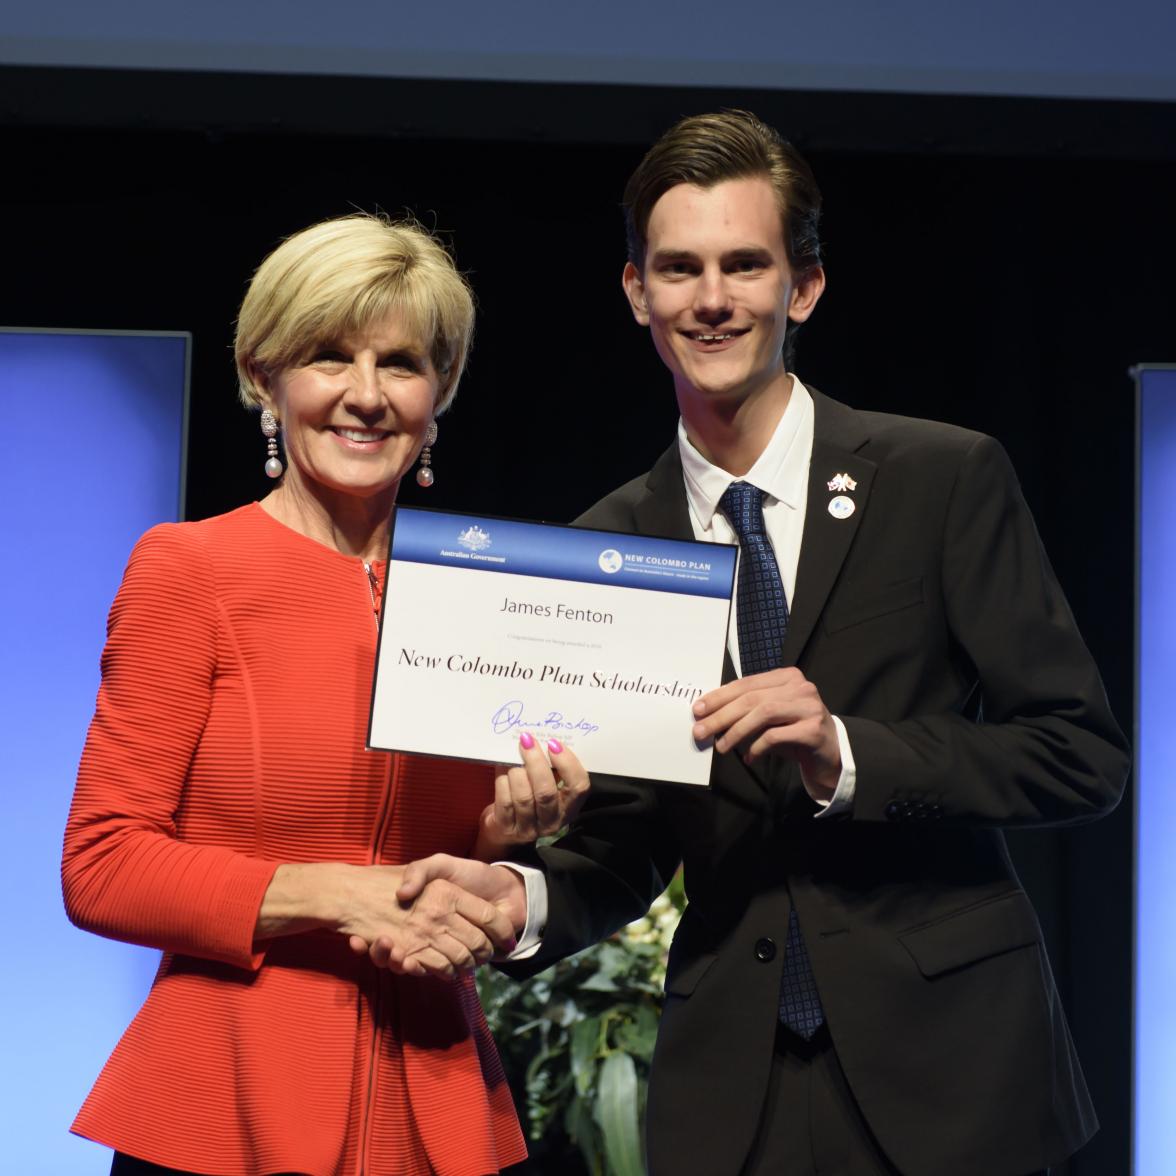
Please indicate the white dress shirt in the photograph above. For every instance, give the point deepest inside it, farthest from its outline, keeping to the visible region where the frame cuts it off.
(782, 472)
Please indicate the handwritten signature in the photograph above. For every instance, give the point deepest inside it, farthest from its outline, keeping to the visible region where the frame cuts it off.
(509, 717)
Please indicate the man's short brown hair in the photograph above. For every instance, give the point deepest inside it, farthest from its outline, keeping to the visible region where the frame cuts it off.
(706, 149)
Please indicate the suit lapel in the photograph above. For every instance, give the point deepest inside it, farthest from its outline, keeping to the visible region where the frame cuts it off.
(838, 434)
(663, 511)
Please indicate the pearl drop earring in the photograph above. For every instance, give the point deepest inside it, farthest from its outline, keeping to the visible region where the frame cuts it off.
(424, 475)
(269, 426)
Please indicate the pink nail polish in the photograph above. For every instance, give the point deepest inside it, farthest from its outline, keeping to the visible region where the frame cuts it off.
(527, 740)
(554, 746)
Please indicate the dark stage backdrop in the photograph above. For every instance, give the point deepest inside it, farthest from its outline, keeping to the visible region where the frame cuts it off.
(1005, 293)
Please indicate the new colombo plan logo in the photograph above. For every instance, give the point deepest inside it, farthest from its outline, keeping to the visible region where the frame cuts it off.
(474, 538)
(610, 561)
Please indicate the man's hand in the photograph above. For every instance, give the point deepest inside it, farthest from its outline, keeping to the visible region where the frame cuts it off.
(780, 713)
(532, 801)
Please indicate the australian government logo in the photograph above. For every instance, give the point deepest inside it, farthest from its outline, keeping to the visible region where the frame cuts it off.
(475, 541)
(473, 538)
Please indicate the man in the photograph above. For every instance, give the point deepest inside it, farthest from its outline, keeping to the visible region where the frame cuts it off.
(858, 984)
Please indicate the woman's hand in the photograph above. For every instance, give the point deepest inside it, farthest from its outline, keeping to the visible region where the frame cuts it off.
(438, 932)
(441, 931)
(433, 881)
(532, 801)
(500, 885)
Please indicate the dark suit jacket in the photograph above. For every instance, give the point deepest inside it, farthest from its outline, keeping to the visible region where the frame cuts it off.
(932, 624)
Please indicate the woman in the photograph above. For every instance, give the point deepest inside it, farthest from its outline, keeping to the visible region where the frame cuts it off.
(226, 810)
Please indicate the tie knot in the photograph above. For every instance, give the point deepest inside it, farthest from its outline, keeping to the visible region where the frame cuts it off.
(743, 504)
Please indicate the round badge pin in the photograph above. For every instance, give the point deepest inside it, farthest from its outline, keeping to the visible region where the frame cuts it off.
(842, 507)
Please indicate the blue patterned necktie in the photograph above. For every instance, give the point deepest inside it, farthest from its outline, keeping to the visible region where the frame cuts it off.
(762, 621)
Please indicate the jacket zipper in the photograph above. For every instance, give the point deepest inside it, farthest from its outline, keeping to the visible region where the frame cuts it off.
(383, 819)
(373, 585)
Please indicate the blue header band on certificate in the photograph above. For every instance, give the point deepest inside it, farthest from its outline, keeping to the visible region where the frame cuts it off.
(563, 553)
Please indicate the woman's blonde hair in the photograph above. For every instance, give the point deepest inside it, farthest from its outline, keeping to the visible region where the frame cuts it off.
(342, 275)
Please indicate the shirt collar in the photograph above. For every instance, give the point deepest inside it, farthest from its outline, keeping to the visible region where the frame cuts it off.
(780, 470)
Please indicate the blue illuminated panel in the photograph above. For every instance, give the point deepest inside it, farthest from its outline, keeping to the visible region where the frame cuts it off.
(91, 455)
(1155, 863)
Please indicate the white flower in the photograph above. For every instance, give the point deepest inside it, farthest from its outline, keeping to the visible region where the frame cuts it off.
(638, 927)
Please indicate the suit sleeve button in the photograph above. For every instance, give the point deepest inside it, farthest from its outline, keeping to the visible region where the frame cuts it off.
(893, 811)
(765, 950)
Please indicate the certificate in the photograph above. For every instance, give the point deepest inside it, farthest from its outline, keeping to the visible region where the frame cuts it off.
(493, 627)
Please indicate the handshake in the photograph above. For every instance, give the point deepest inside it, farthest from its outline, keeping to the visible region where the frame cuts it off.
(442, 914)
(434, 917)
(451, 913)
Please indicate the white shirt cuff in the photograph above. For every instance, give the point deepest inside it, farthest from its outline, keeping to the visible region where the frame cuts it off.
(842, 799)
(536, 886)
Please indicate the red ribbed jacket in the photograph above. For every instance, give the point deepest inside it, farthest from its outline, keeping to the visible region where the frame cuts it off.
(229, 737)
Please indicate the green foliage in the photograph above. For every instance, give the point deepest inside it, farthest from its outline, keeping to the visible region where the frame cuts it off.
(616, 1102)
(577, 1041)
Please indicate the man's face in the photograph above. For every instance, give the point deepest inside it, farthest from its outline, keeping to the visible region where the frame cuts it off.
(717, 291)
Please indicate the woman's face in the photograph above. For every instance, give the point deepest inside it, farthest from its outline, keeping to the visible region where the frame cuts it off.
(354, 415)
